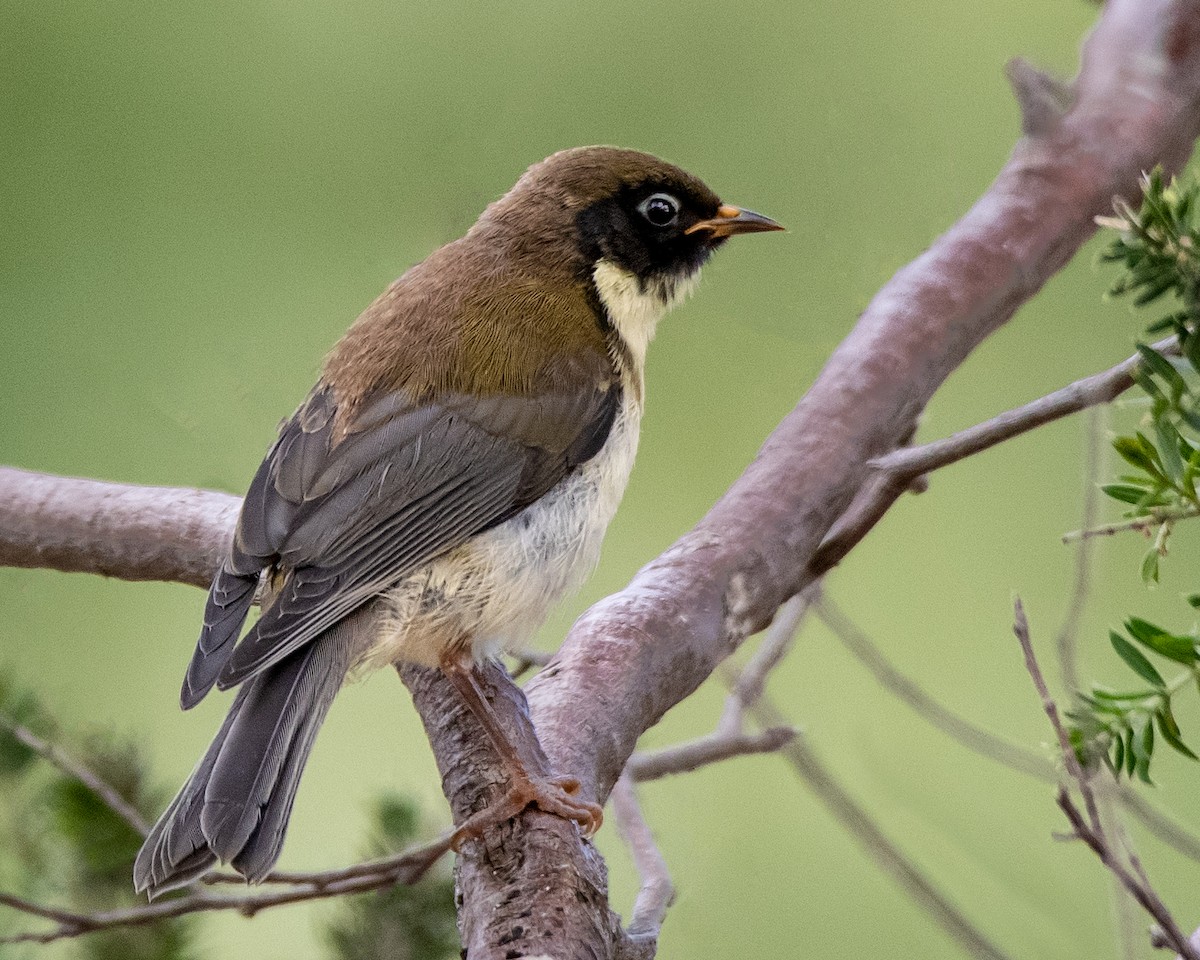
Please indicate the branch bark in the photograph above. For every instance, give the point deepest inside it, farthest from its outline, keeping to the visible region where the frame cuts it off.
(1134, 105)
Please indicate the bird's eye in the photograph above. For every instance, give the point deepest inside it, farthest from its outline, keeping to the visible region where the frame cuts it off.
(661, 209)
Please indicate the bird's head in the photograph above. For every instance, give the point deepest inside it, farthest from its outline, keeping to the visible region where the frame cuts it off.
(635, 228)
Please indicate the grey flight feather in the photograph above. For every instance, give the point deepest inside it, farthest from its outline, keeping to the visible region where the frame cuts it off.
(235, 805)
(342, 521)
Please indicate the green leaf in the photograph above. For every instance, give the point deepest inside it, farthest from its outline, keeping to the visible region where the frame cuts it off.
(1176, 322)
(1168, 449)
(1143, 763)
(1141, 742)
(1127, 492)
(1150, 566)
(1118, 755)
(1193, 600)
(1190, 416)
(1143, 379)
(1190, 346)
(1155, 289)
(1162, 367)
(1128, 698)
(1170, 731)
(1165, 644)
(1133, 453)
(1135, 659)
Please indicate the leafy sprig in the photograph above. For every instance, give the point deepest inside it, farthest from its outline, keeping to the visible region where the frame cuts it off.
(1118, 727)
(1159, 248)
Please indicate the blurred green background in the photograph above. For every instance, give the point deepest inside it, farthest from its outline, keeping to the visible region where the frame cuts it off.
(196, 199)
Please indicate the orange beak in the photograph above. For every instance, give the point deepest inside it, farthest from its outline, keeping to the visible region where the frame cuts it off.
(730, 220)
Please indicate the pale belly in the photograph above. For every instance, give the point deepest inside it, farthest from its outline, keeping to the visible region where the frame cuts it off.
(494, 592)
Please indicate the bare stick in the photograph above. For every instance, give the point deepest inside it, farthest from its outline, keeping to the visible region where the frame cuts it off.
(1143, 893)
(526, 660)
(1162, 826)
(908, 691)
(1091, 830)
(1070, 760)
(1103, 387)
(657, 893)
(686, 757)
(65, 917)
(780, 636)
(77, 770)
(979, 740)
(1083, 555)
(1144, 524)
(897, 470)
(403, 869)
(875, 843)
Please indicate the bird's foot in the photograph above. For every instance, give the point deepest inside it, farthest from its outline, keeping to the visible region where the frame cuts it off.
(557, 795)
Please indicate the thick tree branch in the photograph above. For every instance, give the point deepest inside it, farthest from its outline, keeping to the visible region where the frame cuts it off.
(117, 530)
(1134, 105)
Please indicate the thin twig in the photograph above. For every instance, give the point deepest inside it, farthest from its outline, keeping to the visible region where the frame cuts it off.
(76, 770)
(1090, 391)
(977, 739)
(1162, 826)
(1143, 893)
(686, 757)
(656, 893)
(403, 869)
(1090, 829)
(908, 691)
(64, 917)
(747, 692)
(776, 643)
(896, 470)
(1070, 760)
(731, 739)
(870, 836)
(526, 660)
(1069, 630)
(1144, 524)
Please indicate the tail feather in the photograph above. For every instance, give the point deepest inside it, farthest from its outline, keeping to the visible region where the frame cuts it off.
(236, 804)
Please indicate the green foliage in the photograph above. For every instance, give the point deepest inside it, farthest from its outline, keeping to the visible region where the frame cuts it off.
(65, 845)
(400, 923)
(1159, 248)
(1118, 727)
(69, 848)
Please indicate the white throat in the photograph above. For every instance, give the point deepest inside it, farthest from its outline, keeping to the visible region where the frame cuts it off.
(635, 308)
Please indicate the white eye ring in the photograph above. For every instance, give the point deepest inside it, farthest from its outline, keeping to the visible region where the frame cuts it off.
(660, 209)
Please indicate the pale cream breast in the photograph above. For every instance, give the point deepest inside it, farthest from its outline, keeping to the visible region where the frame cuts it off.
(494, 592)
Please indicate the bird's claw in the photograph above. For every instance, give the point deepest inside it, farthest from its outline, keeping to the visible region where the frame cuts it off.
(556, 795)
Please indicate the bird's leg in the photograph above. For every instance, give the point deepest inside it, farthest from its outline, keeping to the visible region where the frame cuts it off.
(557, 795)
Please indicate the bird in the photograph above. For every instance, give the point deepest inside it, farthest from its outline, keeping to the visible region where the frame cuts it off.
(447, 480)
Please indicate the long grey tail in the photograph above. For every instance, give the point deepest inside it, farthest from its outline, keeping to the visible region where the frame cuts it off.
(235, 805)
